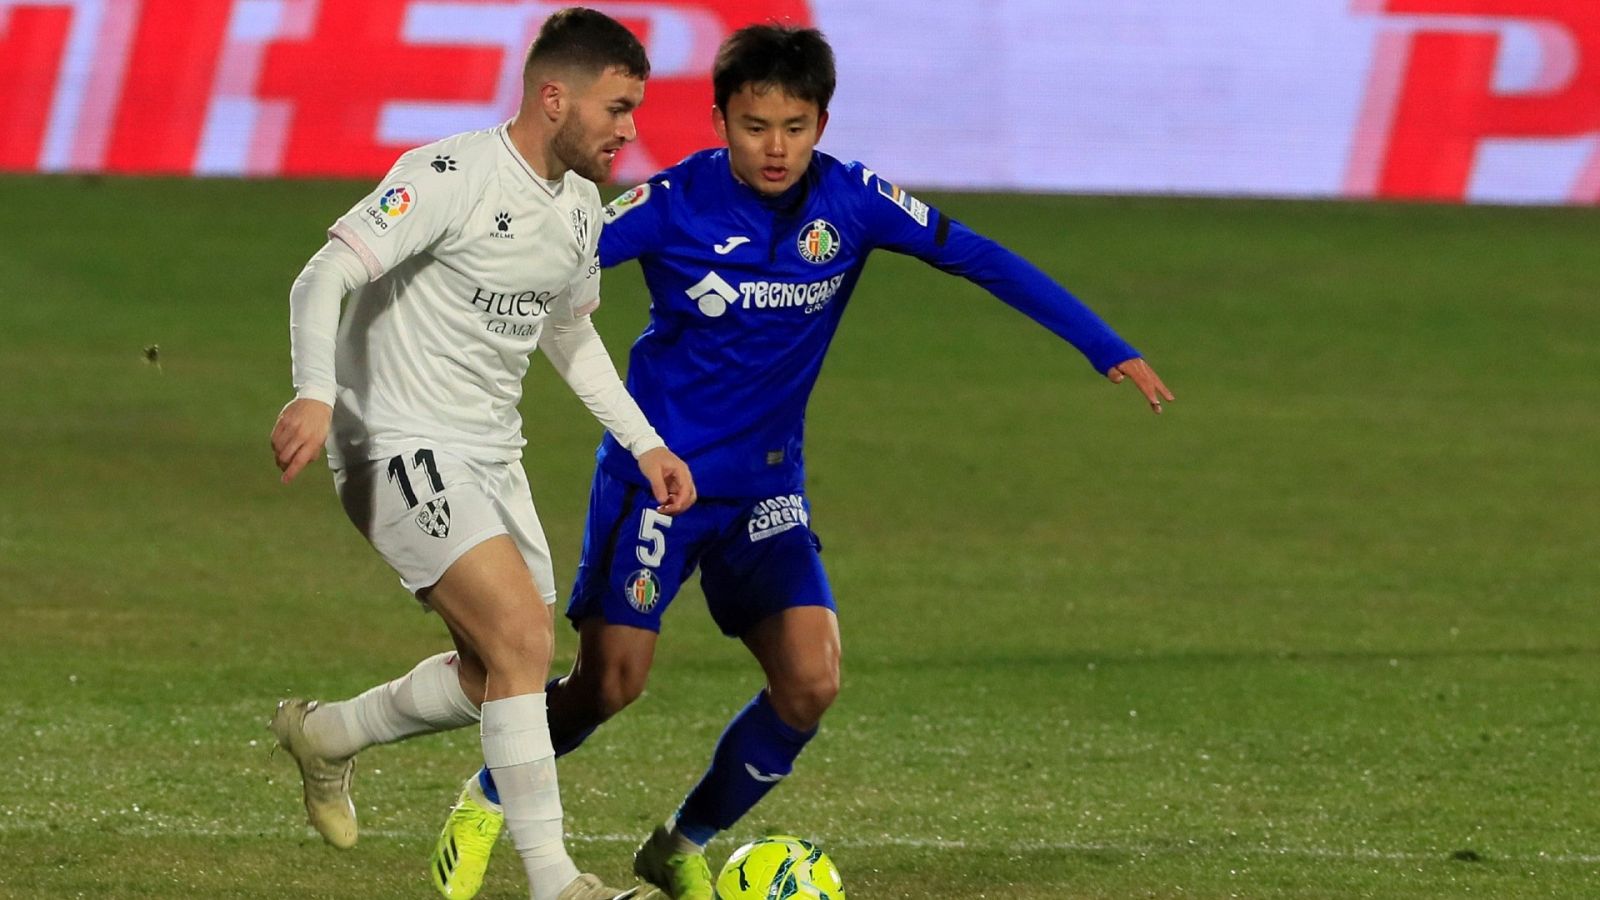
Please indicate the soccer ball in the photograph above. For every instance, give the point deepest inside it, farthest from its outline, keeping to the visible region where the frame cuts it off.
(779, 867)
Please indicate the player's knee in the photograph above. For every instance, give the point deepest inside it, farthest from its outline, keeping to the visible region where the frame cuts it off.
(801, 701)
(617, 689)
(472, 676)
(517, 649)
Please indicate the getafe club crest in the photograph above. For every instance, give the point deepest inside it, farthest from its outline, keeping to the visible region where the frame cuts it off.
(643, 590)
(433, 517)
(819, 241)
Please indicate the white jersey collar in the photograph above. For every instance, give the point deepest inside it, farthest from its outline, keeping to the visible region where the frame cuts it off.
(551, 188)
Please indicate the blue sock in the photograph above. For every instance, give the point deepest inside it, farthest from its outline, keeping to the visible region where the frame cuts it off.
(564, 744)
(486, 782)
(756, 750)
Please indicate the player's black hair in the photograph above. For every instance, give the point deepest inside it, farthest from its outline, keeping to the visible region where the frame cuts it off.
(589, 41)
(796, 60)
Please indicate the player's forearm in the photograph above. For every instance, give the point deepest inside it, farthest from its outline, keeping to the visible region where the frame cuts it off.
(580, 358)
(1036, 295)
(314, 301)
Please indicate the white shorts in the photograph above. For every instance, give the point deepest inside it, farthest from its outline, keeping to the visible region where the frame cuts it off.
(423, 509)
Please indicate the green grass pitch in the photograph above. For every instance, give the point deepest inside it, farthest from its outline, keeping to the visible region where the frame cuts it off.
(1327, 628)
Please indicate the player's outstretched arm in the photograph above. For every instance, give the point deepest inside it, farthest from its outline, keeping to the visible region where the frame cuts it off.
(670, 480)
(1144, 378)
(299, 434)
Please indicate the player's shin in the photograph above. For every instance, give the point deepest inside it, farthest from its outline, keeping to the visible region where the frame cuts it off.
(755, 752)
(517, 749)
(425, 700)
(564, 739)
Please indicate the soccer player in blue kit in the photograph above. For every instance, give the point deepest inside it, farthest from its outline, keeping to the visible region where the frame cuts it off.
(750, 253)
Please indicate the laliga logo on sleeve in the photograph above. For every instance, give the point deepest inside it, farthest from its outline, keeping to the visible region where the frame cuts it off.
(627, 200)
(819, 241)
(392, 204)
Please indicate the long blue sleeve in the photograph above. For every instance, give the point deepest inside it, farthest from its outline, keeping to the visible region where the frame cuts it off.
(901, 223)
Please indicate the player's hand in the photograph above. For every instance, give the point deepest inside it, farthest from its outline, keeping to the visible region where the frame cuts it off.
(670, 480)
(1144, 378)
(298, 436)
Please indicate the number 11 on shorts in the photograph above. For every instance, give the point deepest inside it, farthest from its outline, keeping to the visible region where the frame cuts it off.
(423, 460)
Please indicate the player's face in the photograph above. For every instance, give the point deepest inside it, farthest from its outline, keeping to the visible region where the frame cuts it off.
(770, 136)
(597, 123)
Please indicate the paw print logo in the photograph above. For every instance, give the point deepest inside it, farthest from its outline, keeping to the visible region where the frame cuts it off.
(502, 221)
(443, 164)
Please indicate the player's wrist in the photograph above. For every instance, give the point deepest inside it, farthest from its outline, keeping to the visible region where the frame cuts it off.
(643, 444)
(323, 394)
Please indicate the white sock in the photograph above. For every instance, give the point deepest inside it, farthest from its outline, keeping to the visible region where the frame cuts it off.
(517, 749)
(425, 700)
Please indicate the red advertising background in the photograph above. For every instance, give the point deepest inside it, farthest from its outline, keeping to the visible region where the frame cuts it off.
(1476, 100)
(155, 67)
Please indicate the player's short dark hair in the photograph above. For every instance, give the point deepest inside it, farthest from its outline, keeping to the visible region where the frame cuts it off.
(796, 60)
(589, 41)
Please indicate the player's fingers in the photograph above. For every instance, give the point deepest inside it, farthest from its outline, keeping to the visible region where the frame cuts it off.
(302, 458)
(687, 492)
(283, 451)
(282, 433)
(1115, 374)
(674, 502)
(1152, 387)
(298, 446)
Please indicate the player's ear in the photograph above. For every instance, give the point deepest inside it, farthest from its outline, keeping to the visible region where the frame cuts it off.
(553, 99)
(822, 123)
(719, 123)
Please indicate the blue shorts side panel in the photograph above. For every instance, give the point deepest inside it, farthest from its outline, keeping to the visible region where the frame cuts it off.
(769, 560)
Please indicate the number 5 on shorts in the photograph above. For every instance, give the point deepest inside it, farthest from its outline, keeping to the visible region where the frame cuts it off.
(652, 542)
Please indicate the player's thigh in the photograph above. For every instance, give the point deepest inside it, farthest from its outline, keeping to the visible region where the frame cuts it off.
(421, 510)
(613, 662)
(635, 559)
(488, 601)
(769, 561)
(513, 501)
(799, 650)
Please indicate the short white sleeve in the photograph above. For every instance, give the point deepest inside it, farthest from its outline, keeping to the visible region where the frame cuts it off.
(411, 209)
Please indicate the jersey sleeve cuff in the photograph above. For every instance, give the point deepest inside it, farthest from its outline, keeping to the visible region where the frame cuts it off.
(643, 444)
(369, 260)
(319, 393)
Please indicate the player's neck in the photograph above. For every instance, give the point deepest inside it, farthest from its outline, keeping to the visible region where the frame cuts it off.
(533, 145)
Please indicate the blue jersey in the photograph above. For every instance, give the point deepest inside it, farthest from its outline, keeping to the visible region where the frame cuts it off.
(746, 293)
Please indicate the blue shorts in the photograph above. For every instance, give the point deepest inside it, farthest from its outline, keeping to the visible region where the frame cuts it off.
(757, 556)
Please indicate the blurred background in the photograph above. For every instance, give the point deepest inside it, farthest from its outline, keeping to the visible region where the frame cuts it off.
(1465, 100)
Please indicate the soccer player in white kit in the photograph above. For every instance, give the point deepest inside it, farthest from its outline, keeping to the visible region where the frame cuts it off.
(473, 252)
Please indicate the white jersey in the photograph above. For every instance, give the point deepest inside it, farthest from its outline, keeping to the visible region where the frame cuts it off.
(470, 253)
